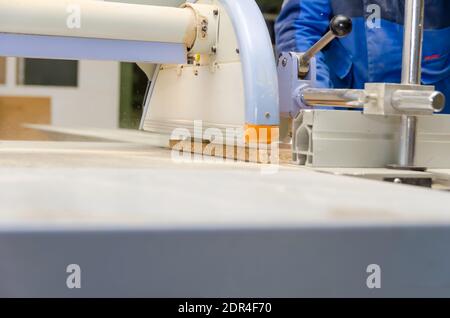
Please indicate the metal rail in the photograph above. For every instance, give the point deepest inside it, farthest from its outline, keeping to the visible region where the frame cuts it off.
(347, 98)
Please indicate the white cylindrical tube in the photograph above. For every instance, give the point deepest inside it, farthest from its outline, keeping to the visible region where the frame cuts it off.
(98, 19)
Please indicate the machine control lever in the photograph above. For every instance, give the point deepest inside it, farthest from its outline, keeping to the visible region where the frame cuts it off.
(340, 26)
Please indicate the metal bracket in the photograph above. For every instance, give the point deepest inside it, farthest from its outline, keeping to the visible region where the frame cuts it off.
(291, 85)
(398, 99)
(207, 17)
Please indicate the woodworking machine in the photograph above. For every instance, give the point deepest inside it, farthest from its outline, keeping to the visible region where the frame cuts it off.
(215, 58)
(138, 224)
(384, 125)
(215, 65)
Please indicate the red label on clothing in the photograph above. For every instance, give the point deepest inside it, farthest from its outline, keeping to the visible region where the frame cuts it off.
(432, 57)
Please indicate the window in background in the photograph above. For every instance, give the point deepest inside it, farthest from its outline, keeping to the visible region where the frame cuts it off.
(45, 72)
(2, 70)
(132, 94)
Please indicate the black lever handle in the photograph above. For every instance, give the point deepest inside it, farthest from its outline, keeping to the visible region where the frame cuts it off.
(340, 26)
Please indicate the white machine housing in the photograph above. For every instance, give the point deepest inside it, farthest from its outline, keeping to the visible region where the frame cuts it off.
(215, 57)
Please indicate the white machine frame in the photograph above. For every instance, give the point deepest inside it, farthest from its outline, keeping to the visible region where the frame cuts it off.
(207, 48)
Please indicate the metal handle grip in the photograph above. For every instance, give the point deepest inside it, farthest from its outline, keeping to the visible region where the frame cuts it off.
(340, 26)
(410, 101)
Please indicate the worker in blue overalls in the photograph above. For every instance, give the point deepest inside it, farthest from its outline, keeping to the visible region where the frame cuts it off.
(373, 51)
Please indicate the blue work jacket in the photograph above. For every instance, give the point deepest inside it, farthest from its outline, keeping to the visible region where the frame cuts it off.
(373, 51)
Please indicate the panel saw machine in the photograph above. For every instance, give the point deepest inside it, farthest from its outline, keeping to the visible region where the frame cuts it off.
(215, 65)
(215, 57)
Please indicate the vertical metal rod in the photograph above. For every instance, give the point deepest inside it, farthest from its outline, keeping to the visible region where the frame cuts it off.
(411, 73)
(412, 41)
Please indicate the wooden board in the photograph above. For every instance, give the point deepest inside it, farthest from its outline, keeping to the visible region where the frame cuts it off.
(261, 154)
(16, 111)
(2, 70)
